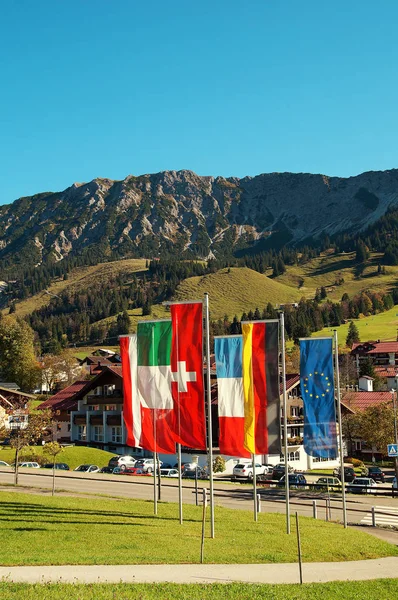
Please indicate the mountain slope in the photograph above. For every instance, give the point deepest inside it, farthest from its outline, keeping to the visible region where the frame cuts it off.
(236, 290)
(181, 212)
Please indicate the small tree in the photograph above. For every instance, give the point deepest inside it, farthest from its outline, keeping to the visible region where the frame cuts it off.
(219, 464)
(353, 335)
(38, 423)
(51, 451)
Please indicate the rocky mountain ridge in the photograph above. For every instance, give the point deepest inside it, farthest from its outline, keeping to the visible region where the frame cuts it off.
(186, 214)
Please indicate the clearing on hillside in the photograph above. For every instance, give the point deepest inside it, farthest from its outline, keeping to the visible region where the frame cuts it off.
(233, 291)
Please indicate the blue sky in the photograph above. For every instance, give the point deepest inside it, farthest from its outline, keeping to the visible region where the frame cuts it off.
(112, 87)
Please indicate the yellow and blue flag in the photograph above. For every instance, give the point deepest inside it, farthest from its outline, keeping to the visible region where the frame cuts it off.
(317, 390)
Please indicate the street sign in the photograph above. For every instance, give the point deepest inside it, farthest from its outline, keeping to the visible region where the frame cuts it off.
(393, 450)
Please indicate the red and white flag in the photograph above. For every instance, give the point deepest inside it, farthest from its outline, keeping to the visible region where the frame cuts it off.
(189, 424)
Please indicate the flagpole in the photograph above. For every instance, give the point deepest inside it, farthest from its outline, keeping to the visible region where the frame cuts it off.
(179, 445)
(342, 478)
(155, 497)
(209, 415)
(254, 487)
(282, 322)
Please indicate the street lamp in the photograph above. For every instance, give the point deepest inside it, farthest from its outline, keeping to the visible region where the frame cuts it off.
(16, 426)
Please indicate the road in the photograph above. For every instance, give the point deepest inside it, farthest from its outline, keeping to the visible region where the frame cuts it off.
(226, 494)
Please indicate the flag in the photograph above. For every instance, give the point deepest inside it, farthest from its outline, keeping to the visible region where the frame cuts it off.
(187, 375)
(260, 360)
(317, 390)
(231, 411)
(148, 404)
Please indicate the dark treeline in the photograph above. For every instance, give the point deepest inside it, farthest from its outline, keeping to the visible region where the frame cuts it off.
(311, 316)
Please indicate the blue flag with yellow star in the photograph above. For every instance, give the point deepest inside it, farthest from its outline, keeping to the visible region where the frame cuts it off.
(317, 390)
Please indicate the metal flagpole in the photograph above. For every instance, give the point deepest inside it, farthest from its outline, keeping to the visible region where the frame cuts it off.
(282, 325)
(209, 415)
(155, 491)
(254, 487)
(179, 445)
(336, 356)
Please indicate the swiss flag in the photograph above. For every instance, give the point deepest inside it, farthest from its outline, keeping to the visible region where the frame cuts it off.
(187, 386)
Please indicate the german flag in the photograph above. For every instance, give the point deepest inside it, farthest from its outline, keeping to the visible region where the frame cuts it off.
(260, 373)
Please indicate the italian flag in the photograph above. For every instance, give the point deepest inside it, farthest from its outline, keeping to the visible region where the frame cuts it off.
(148, 403)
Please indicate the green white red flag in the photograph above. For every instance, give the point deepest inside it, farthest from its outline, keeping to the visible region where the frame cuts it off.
(148, 403)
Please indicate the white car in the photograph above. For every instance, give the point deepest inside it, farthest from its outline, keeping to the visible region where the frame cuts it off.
(168, 472)
(31, 465)
(87, 469)
(147, 464)
(362, 485)
(122, 461)
(3, 463)
(246, 470)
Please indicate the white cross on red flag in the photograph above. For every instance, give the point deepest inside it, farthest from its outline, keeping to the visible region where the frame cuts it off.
(187, 386)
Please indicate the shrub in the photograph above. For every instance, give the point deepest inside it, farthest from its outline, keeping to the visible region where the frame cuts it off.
(355, 462)
(219, 464)
(29, 455)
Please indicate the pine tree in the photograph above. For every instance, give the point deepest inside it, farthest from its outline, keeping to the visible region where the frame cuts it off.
(353, 335)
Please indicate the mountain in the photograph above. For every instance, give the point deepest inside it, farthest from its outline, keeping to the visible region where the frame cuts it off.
(185, 214)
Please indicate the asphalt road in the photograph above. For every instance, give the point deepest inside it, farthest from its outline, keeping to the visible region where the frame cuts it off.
(228, 495)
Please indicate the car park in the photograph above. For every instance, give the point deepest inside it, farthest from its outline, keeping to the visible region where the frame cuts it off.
(376, 474)
(362, 485)
(60, 466)
(296, 480)
(87, 469)
(246, 470)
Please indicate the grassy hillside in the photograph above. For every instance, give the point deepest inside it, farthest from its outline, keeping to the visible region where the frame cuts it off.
(383, 326)
(73, 455)
(235, 290)
(80, 278)
(324, 270)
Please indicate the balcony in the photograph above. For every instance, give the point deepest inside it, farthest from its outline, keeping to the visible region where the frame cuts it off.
(116, 397)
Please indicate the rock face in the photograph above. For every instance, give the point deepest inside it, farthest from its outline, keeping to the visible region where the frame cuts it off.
(183, 212)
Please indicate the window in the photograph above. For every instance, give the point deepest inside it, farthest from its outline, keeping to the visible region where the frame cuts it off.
(68, 426)
(111, 407)
(294, 432)
(109, 389)
(98, 391)
(81, 432)
(98, 433)
(294, 455)
(295, 411)
(116, 434)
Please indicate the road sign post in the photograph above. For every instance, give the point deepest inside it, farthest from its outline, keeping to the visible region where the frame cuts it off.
(393, 450)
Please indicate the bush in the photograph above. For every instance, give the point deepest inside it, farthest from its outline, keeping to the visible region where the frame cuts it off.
(355, 462)
(31, 455)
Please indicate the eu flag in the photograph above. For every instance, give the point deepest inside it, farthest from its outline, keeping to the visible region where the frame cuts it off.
(317, 390)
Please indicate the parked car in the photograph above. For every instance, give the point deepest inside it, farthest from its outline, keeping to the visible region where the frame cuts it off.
(246, 470)
(169, 472)
(3, 463)
(349, 474)
(362, 485)
(61, 466)
(147, 464)
(296, 480)
(279, 470)
(107, 469)
(133, 471)
(87, 469)
(197, 472)
(31, 465)
(376, 473)
(120, 461)
(327, 482)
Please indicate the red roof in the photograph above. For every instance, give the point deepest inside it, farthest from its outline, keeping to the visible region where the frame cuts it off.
(291, 380)
(361, 400)
(65, 399)
(375, 347)
(117, 369)
(386, 371)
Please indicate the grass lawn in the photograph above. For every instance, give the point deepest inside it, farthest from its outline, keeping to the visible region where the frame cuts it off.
(41, 530)
(380, 589)
(73, 455)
